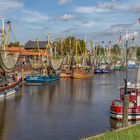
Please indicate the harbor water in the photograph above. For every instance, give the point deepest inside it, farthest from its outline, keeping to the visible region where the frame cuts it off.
(67, 109)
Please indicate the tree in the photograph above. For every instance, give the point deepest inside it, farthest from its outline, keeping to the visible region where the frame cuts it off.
(15, 44)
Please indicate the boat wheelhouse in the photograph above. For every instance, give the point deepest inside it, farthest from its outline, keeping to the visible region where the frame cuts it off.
(65, 71)
(119, 66)
(132, 64)
(133, 92)
(103, 68)
(82, 73)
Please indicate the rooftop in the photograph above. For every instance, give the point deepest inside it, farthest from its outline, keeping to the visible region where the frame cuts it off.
(33, 44)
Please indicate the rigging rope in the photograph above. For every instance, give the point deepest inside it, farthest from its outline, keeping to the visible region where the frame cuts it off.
(13, 35)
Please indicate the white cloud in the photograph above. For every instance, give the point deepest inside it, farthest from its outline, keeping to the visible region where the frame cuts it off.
(130, 36)
(9, 5)
(67, 17)
(69, 30)
(34, 27)
(123, 26)
(100, 8)
(85, 9)
(63, 2)
(108, 5)
(135, 8)
(34, 17)
(88, 24)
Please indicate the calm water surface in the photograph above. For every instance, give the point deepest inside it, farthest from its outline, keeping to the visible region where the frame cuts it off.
(63, 110)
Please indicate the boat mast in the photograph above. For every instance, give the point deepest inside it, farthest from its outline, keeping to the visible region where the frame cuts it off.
(3, 34)
(8, 32)
(76, 52)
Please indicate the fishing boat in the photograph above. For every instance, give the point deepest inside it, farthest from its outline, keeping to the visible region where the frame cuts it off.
(118, 58)
(132, 64)
(40, 80)
(132, 60)
(10, 85)
(103, 62)
(83, 67)
(46, 70)
(127, 107)
(119, 66)
(133, 92)
(47, 73)
(82, 73)
(66, 73)
(66, 69)
(103, 68)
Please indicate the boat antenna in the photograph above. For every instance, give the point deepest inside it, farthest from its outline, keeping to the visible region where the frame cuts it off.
(125, 95)
(3, 34)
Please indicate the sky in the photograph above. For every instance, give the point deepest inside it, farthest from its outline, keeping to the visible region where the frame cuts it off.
(98, 20)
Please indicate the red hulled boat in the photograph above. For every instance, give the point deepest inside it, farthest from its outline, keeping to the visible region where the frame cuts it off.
(133, 92)
(10, 87)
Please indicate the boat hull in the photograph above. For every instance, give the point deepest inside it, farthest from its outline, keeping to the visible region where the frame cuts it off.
(132, 66)
(116, 110)
(82, 76)
(102, 71)
(8, 93)
(10, 89)
(119, 116)
(65, 75)
(39, 80)
(119, 68)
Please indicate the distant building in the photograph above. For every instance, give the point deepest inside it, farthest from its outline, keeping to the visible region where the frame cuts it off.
(32, 45)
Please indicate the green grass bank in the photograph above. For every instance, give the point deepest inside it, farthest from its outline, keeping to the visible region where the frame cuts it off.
(128, 133)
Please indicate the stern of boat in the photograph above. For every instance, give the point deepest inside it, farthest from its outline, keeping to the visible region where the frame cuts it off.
(116, 109)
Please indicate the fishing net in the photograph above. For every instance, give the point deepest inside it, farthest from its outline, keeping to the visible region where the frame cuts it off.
(8, 60)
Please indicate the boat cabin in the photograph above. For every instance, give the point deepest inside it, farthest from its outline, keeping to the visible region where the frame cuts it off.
(133, 91)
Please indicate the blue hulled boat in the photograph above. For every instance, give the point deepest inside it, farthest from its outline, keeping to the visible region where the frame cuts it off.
(132, 64)
(39, 80)
(102, 71)
(103, 68)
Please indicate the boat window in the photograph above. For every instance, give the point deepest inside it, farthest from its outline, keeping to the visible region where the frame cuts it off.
(131, 104)
(138, 101)
(118, 103)
(128, 91)
(138, 91)
(122, 91)
(133, 92)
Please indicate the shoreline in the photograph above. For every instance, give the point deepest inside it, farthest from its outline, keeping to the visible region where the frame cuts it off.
(113, 134)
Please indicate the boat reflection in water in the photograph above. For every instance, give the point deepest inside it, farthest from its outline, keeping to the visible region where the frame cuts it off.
(116, 124)
(7, 117)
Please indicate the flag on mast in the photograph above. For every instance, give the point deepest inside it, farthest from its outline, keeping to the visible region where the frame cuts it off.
(120, 38)
(139, 20)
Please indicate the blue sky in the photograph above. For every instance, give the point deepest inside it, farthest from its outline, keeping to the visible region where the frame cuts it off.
(97, 19)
